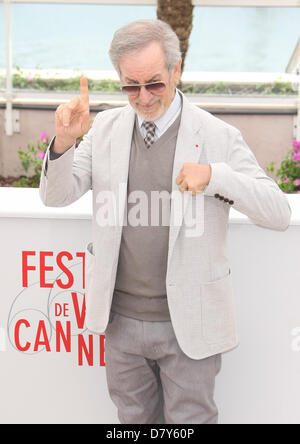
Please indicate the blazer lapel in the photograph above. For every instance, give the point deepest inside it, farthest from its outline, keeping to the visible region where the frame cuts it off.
(188, 149)
(119, 163)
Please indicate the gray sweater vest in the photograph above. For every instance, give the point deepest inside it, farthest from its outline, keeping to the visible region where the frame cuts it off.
(140, 288)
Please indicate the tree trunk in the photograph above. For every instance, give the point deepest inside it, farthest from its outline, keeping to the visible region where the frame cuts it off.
(179, 15)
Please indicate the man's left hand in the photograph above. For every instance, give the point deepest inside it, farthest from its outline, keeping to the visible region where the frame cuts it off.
(193, 177)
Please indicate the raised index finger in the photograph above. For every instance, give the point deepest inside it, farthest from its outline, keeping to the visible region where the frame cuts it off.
(84, 90)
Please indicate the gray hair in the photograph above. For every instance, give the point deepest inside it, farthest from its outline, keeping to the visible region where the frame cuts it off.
(137, 35)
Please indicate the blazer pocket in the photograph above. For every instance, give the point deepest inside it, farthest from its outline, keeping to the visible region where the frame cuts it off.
(218, 310)
(89, 265)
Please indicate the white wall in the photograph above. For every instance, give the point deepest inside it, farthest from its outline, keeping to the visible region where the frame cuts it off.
(259, 381)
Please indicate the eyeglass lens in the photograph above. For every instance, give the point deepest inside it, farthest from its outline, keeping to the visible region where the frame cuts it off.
(154, 88)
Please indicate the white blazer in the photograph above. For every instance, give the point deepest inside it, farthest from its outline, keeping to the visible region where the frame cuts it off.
(198, 280)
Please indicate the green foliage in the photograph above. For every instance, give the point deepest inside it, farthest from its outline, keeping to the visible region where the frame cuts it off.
(289, 170)
(57, 84)
(276, 88)
(21, 81)
(32, 158)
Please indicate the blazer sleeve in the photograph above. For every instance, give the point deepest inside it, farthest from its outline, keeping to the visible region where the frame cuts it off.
(244, 182)
(67, 177)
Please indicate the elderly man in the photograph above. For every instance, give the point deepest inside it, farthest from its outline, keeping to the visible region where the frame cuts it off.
(162, 295)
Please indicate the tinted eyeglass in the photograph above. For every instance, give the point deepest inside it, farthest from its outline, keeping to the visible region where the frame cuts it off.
(134, 90)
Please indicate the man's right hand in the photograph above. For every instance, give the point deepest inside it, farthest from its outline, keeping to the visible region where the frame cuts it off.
(72, 119)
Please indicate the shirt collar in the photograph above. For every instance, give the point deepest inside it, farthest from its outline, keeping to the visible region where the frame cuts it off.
(173, 109)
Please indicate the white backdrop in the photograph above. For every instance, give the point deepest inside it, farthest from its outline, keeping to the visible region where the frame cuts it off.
(41, 267)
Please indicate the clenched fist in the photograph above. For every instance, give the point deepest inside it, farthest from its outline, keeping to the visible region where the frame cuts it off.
(193, 177)
(72, 119)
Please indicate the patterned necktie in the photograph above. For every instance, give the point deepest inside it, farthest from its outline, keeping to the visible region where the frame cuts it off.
(150, 129)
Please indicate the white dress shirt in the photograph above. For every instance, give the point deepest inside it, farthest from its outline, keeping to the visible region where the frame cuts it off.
(166, 120)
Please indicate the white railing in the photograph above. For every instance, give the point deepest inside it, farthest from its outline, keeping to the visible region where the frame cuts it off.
(8, 93)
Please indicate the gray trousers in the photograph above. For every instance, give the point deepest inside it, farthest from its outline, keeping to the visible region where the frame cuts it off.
(150, 379)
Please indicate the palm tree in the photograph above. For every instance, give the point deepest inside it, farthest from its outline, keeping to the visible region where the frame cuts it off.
(179, 15)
